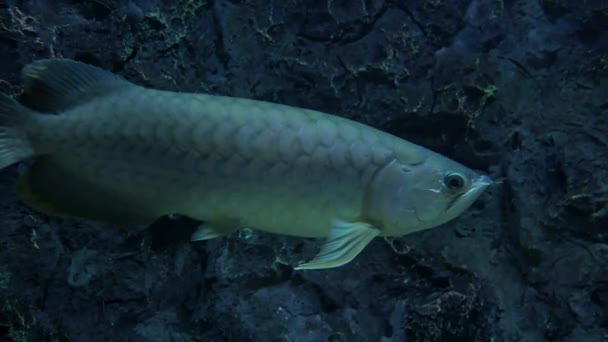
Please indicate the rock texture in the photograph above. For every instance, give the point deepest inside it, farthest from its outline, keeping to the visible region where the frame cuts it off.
(515, 88)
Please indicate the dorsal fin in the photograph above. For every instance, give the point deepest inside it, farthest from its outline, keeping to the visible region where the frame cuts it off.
(54, 85)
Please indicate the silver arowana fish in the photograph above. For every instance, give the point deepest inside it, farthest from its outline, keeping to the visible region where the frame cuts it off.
(108, 150)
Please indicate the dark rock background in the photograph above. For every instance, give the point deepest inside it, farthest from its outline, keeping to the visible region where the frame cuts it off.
(518, 89)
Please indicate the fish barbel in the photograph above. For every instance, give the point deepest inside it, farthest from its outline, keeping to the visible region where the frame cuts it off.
(108, 150)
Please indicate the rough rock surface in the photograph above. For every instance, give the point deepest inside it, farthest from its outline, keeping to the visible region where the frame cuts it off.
(518, 89)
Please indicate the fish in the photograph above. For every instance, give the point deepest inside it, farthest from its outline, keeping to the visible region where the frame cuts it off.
(99, 147)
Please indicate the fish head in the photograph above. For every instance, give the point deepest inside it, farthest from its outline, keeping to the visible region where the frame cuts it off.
(406, 198)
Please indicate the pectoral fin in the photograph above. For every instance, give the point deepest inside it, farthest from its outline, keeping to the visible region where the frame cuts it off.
(346, 240)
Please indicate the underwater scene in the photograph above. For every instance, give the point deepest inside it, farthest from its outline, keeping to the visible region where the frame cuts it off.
(299, 170)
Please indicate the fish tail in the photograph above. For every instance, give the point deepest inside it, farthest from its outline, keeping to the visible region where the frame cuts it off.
(14, 144)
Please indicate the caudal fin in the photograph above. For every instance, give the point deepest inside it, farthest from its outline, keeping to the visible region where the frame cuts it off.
(14, 146)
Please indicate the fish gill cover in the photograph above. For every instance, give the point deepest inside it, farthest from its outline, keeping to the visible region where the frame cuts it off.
(516, 89)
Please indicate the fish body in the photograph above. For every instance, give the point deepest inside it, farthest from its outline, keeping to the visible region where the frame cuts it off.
(213, 158)
(122, 154)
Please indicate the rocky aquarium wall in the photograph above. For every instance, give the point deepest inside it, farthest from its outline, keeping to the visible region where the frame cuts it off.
(515, 88)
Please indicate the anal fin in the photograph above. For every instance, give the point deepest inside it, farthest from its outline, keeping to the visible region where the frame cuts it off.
(346, 240)
(52, 188)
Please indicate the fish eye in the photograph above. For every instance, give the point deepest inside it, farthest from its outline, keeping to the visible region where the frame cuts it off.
(454, 181)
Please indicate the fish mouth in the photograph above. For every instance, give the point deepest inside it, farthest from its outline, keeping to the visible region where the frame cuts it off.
(467, 198)
(482, 181)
